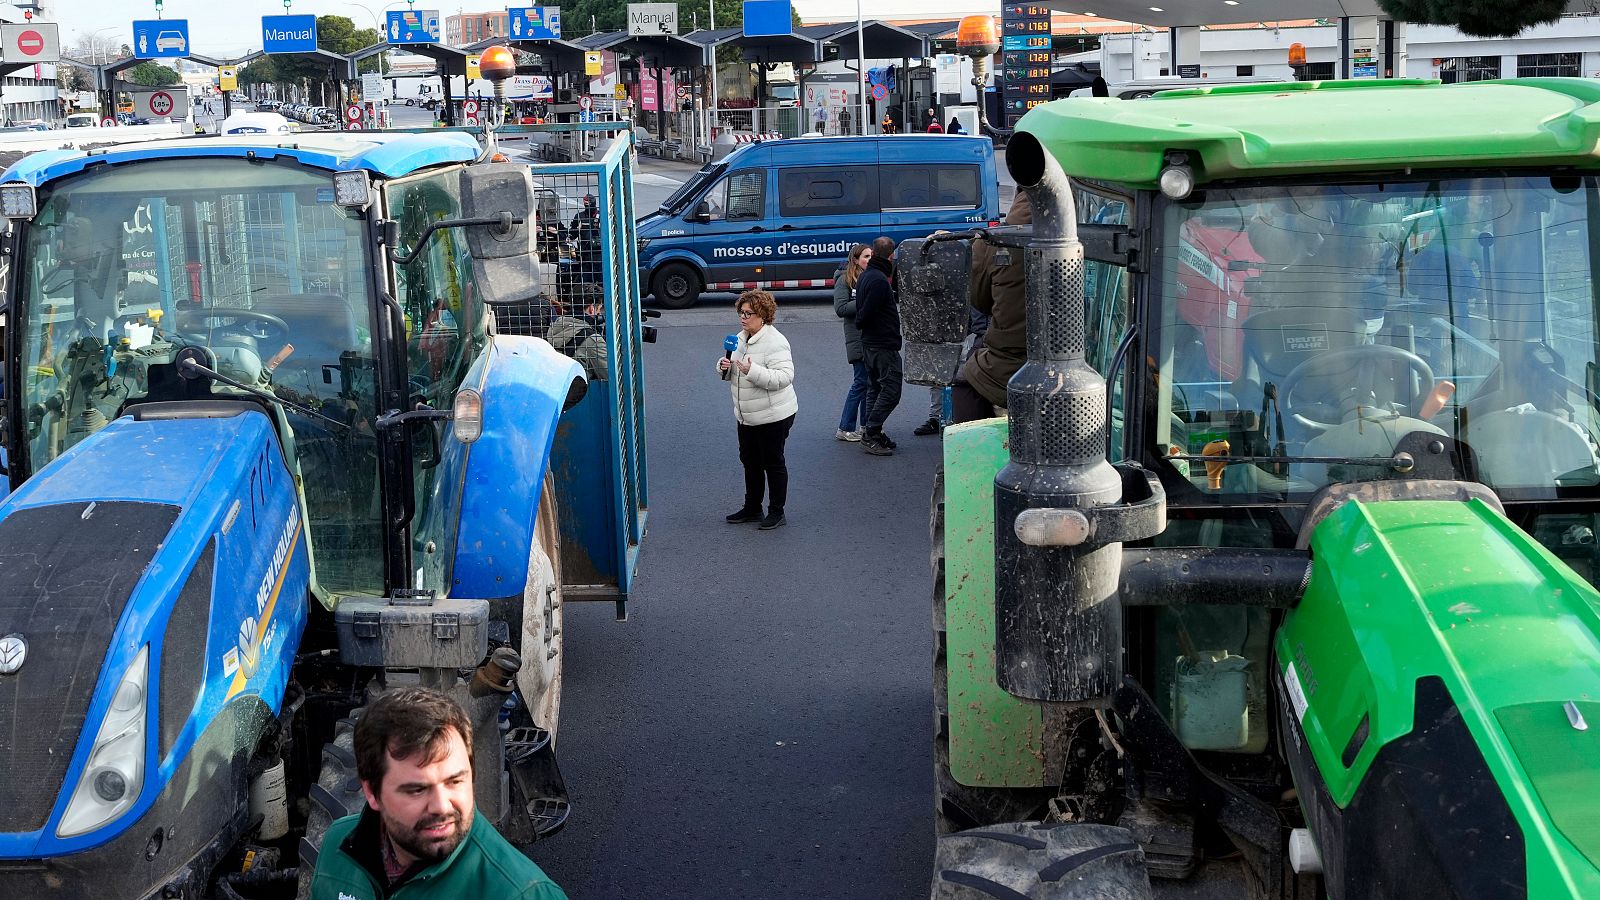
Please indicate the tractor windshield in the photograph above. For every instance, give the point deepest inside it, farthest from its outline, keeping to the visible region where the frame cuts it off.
(252, 263)
(1314, 327)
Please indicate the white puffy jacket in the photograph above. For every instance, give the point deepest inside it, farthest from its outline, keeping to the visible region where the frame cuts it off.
(767, 393)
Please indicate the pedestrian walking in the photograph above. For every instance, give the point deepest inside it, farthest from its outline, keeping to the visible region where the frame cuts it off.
(819, 119)
(761, 379)
(887, 125)
(854, 416)
(999, 289)
(844, 120)
(954, 127)
(931, 122)
(878, 317)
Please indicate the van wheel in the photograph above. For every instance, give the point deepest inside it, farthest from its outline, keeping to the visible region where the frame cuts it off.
(676, 286)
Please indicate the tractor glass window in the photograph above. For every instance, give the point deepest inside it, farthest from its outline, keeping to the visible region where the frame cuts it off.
(253, 264)
(445, 331)
(1106, 295)
(1313, 329)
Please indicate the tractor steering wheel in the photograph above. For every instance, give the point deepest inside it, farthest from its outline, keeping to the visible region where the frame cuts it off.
(1360, 361)
(274, 328)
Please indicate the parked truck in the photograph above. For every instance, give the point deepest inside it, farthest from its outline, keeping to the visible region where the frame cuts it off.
(1277, 577)
(279, 437)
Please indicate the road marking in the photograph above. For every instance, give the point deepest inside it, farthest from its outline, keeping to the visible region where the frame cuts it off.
(655, 180)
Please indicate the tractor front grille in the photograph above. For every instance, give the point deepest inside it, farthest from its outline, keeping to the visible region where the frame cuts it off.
(66, 572)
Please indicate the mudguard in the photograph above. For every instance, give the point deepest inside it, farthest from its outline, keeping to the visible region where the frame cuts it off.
(996, 739)
(179, 538)
(524, 384)
(1441, 706)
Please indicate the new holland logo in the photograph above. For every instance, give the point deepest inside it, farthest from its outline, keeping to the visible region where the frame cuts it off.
(249, 650)
(13, 653)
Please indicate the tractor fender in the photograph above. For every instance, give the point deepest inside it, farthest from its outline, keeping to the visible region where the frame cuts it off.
(525, 384)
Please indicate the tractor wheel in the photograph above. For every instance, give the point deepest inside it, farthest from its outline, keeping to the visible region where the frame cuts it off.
(1075, 861)
(539, 679)
(676, 286)
(336, 794)
(956, 806)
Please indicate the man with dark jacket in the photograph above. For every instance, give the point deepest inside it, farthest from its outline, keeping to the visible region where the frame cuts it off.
(418, 838)
(999, 289)
(878, 317)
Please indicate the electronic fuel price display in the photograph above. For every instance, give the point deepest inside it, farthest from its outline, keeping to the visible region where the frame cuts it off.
(1026, 59)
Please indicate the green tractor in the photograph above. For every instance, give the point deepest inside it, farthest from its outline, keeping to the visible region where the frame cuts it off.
(1276, 580)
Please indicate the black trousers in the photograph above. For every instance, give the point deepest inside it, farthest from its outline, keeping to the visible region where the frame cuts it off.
(761, 452)
(884, 377)
(967, 405)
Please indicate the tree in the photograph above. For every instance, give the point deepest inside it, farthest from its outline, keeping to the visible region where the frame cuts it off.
(151, 75)
(1479, 18)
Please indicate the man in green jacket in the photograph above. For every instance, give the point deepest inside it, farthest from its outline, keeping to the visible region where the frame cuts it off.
(418, 837)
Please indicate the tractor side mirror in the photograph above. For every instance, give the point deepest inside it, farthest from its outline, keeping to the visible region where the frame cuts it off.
(503, 258)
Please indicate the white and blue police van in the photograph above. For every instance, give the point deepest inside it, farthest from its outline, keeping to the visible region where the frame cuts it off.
(783, 215)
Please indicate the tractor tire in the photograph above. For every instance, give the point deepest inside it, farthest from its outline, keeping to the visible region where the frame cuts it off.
(958, 807)
(539, 679)
(676, 286)
(336, 794)
(1017, 860)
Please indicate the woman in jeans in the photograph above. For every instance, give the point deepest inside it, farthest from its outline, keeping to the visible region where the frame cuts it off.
(844, 306)
(761, 376)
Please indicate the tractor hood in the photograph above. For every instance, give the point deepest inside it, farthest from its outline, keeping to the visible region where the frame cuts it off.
(1442, 706)
(154, 574)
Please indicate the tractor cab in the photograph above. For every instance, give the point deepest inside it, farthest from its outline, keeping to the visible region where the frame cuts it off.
(1288, 529)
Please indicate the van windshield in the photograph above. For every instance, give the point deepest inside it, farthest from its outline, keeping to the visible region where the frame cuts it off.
(1316, 326)
(698, 180)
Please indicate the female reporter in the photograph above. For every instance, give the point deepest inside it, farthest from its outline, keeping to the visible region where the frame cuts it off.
(764, 406)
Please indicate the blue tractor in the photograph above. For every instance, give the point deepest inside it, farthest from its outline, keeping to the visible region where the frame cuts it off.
(273, 449)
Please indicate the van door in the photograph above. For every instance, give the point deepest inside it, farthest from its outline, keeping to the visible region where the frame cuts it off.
(822, 211)
(934, 183)
(733, 228)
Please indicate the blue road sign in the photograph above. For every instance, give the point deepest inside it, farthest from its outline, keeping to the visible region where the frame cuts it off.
(156, 38)
(535, 23)
(766, 17)
(288, 34)
(413, 26)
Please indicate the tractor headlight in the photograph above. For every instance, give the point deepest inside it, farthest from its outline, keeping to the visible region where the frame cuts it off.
(18, 201)
(111, 780)
(352, 189)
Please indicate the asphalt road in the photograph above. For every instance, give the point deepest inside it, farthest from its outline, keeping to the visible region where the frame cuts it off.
(760, 726)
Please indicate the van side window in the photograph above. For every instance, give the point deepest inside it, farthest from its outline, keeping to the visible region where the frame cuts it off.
(931, 187)
(827, 191)
(742, 195)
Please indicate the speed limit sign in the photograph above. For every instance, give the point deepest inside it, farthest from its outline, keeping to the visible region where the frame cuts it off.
(470, 106)
(353, 113)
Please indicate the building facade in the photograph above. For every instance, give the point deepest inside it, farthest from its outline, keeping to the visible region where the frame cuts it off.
(469, 28)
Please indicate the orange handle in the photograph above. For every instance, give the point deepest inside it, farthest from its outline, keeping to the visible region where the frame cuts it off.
(278, 358)
(1437, 398)
(1214, 469)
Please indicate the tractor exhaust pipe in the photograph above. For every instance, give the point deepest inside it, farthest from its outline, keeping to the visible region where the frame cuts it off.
(1059, 518)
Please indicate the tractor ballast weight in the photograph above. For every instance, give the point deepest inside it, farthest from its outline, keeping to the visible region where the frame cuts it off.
(1062, 510)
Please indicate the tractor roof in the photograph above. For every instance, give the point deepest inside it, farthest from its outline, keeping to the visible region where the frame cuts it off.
(1274, 130)
(388, 155)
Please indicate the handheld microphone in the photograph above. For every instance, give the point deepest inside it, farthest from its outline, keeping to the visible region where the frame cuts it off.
(729, 344)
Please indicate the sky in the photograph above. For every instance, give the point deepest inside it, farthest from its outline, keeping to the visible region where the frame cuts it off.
(233, 27)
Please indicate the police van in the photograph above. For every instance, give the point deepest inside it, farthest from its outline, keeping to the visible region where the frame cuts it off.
(784, 214)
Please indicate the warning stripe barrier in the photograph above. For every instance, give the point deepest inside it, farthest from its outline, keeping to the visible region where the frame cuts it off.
(769, 285)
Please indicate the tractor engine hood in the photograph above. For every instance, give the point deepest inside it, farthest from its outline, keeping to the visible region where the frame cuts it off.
(152, 585)
(1441, 685)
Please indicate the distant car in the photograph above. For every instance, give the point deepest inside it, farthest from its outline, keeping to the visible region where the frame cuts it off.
(172, 40)
(34, 125)
(255, 123)
(82, 120)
